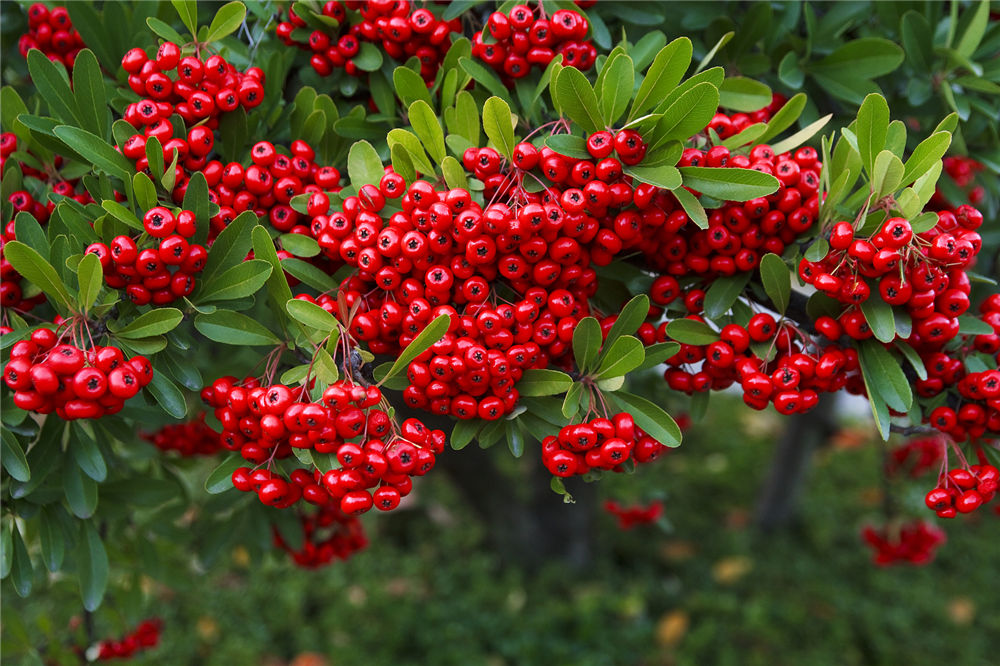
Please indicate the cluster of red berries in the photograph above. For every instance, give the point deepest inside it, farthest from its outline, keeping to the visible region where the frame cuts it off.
(194, 438)
(199, 91)
(963, 490)
(265, 422)
(145, 637)
(328, 535)
(402, 30)
(162, 272)
(630, 516)
(598, 443)
(917, 456)
(962, 170)
(518, 42)
(792, 380)
(914, 542)
(923, 272)
(11, 292)
(48, 376)
(51, 31)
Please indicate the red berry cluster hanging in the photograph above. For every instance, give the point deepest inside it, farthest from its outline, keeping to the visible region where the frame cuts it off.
(378, 458)
(328, 534)
(401, 28)
(963, 490)
(914, 542)
(917, 456)
(517, 41)
(194, 438)
(598, 444)
(962, 170)
(165, 269)
(638, 514)
(11, 291)
(145, 637)
(51, 31)
(48, 375)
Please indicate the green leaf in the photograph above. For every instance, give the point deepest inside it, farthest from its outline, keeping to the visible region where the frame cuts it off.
(688, 115)
(36, 270)
(299, 244)
(515, 439)
(913, 358)
(658, 353)
(277, 285)
(664, 175)
(427, 337)
(568, 145)
(882, 372)
(729, 184)
(28, 231)
(53, 85)
(498, 126)
(628, 321)
(123, 214)
(777, 280)
(865, 58)
(742, 94)
(723, 293)
(308, 274)
(536, 382)
(571, 403)
(464, 432)
(615, 88)
(410, 86)
(975, 29)
(22, 571)
(927, 153)
(233, 328)
(92, 567)
(50, 534)
(428, 128)
(91, 280)
(784, 118)
(311, 315)
(168, 395)
(13, 458)
(196, 200)
(402, 139)
(692, 207)
(887, 174)
(578, 100)
(145, 191)
(880, 319)
(917, 40)
(364, 166)
(586, 343)
(691, 332)
(663, 76)
(226, 21)
(454, 174)
(88, 89)
(715, 49)
(483, 76)
(871, 129)
(86, 453)
(188, 11)
(971, 325)
(96, 150)
(164, 30)
(800, 137)
(651, 418)
(621, 357)
(369, 58)
(80, 490)
(154, 322)
(221, 478)
(237, 282)
(231, 247)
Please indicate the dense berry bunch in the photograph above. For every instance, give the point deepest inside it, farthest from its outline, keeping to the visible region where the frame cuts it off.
(401, 28)
(197, 90)
(11, 289)
(962, 170)
(194, 438)
(630, 516)
(327, 535)
(963, 490)
(145, 637)
(52, 32)
(598, 444)
(517, 41)
(377, 457)
(917, 456)
(914, 542)
(162, 271)
(50, 376)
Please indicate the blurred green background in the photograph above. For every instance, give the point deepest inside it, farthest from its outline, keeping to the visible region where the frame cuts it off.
(701, 587)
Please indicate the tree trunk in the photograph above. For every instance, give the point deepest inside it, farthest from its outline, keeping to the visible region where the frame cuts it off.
(804, 433)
